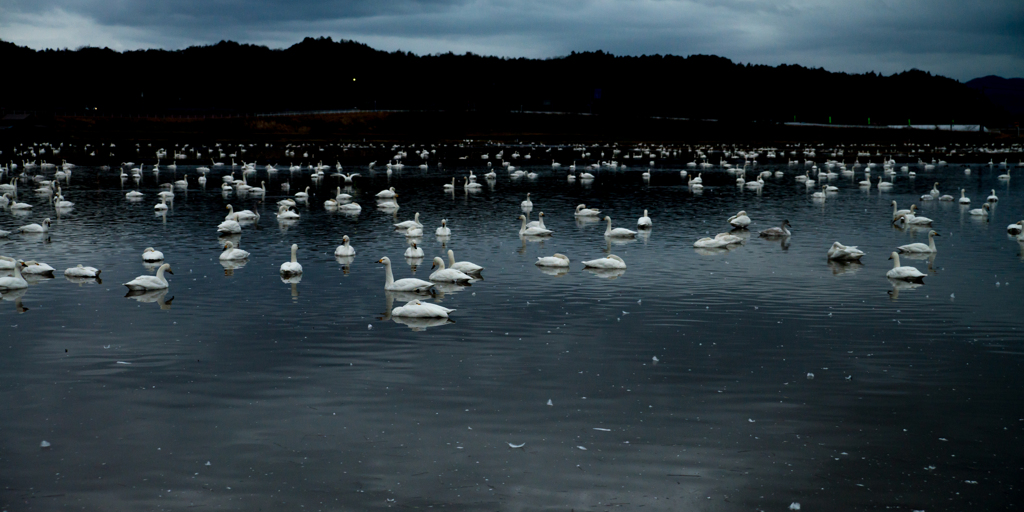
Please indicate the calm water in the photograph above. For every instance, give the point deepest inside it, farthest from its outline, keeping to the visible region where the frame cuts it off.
(244, 392)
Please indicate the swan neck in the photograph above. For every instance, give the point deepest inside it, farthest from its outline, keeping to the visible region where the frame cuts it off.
(451, 258)
(159, 272)
(895, 261)
(389, 278)
(294, 250)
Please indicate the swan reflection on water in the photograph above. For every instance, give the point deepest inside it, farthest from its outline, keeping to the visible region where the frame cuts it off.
(554, 271)
(84, 280)
(231, 265)
(345, 262)
(606, 273)
(15, 296)
(844, 267)
(158, 296)
(899, 285)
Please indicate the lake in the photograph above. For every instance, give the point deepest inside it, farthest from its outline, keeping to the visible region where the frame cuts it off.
(779, 377)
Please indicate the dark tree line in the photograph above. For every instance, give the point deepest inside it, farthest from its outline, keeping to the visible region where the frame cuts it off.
(322, 74)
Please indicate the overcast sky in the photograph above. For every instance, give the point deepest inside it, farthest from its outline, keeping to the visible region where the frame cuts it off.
(956, 38)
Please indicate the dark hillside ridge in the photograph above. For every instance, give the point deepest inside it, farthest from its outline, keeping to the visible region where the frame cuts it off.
(322, 74)
(1007, 93)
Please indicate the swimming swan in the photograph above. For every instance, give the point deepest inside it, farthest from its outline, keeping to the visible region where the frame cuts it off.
(157, 282)
(617, 232)
(152, 255)
(415, 223)
(408, 284)
(558, 260)
(463, 266)
(980, 212)
(413, 252)
(644, 222)
(419, 309)
(903, 273)
(36, 228)
(292, 268)
(840, 252)
(963, 197)
(447, 275)
(13, 282)
(81, 271)
(534, 231)
(444, 230)
(919, 247)
(344, 249)
(583, 211)
(782, 230)
(610, 261)
(740, 220)
(231, 253)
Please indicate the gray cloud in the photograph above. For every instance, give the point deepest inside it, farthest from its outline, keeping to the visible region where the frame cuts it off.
(957, 39)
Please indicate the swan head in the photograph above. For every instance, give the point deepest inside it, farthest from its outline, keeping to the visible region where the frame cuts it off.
(933, 233)
(344, 239)
(913, 208)
(522, 217)
(894, 255)
(46, 222)
(786, 223)
(444, 222)
(148, 249)
(228, 245)
(616, 258)
(438, 262)
(607, 218)
(387, 261)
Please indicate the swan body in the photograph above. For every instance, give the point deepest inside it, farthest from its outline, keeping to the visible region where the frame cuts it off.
(344, 249)
(241, 215)
(36, 228)
(36, 268)
(534, 231)
(527, 203)
(152, 255)
(919, 247)
(720, 240)
(820, 194)
(992, 198)
(617, 232)
(781, 230)
(413, 252)
(740, 220)
(903, 273)
(232, 253)
(963, 197)
(447, 275)
(935, 190)
(229, 226)
(302, 196)
(840, 252)
(610, 261)
(293, 267)
(462, 266)
(644, 222)
(443, 230)
(284, 213)
(354, 207)
(913, 219)
(387, 194)
(415, 223)
(558, 260)
(81, 271)
(583, 211)
(16, 281)
(980, 212)
(408, 284)
(157, 282)
(162, 205)
(419, 309)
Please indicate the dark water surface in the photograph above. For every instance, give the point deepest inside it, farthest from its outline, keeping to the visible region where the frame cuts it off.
(248, 393)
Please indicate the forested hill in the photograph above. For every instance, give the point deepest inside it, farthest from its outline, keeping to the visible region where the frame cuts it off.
(322, 74)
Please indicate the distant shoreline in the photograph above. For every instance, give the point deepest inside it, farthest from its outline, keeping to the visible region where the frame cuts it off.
(448, 127)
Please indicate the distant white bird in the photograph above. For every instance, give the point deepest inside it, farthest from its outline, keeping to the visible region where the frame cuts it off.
(81, 271)
(644, 222)
(527, 203)
(467, 267)
(963, 197)
(344, 249)
(146, 282)
(534, 231)
(981, 212)
(419, 309)
(903, 273)
(992, 198)
(444, 230)
(617, 232)
(919, 247)
(152, 255)
(611, 262)
(231, 253)
(448, 275)
(293, 267)
(403, 285)
(840, 252)
(413, 251)
(740, 220)
(781, 230)
(583, 211)
(558, 260)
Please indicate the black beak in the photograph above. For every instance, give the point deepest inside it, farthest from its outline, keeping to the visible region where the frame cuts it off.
(169, 271)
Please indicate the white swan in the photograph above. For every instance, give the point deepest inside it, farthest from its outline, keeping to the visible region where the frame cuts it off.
(152, 255)
(36, 228)
(539, 223)
(820, 194)
(935, 190)
(583, 211)
(527, 203)
(980, 212)
(413, 252)
(447, 275)
(534, 231)
(344, 249)
(16, 281)
(992, 198)
(840, 252)
(59, 202)
(617, 232)
(610, 261)
(157, 282)
(352, 207)
(241, 215)
(903, 273)
(443, 230)
(558, 260)
(230, 227)
(162, 205)
(415, 223)
(286, 214)
(781, 230)
(913, 219)
(419, 309)
(408, 284)
(231, 253)
(293, 267)
(450, 186)
(740, 220)
(644, 222)
(919, 247)
(81, 271)
(387, 194)
(1015, 228)
(33, 267)
(963, 197)
(466, 267)
(720, 240)
(302, 196)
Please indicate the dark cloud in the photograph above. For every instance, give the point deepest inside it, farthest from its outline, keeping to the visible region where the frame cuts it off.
(958, 39)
